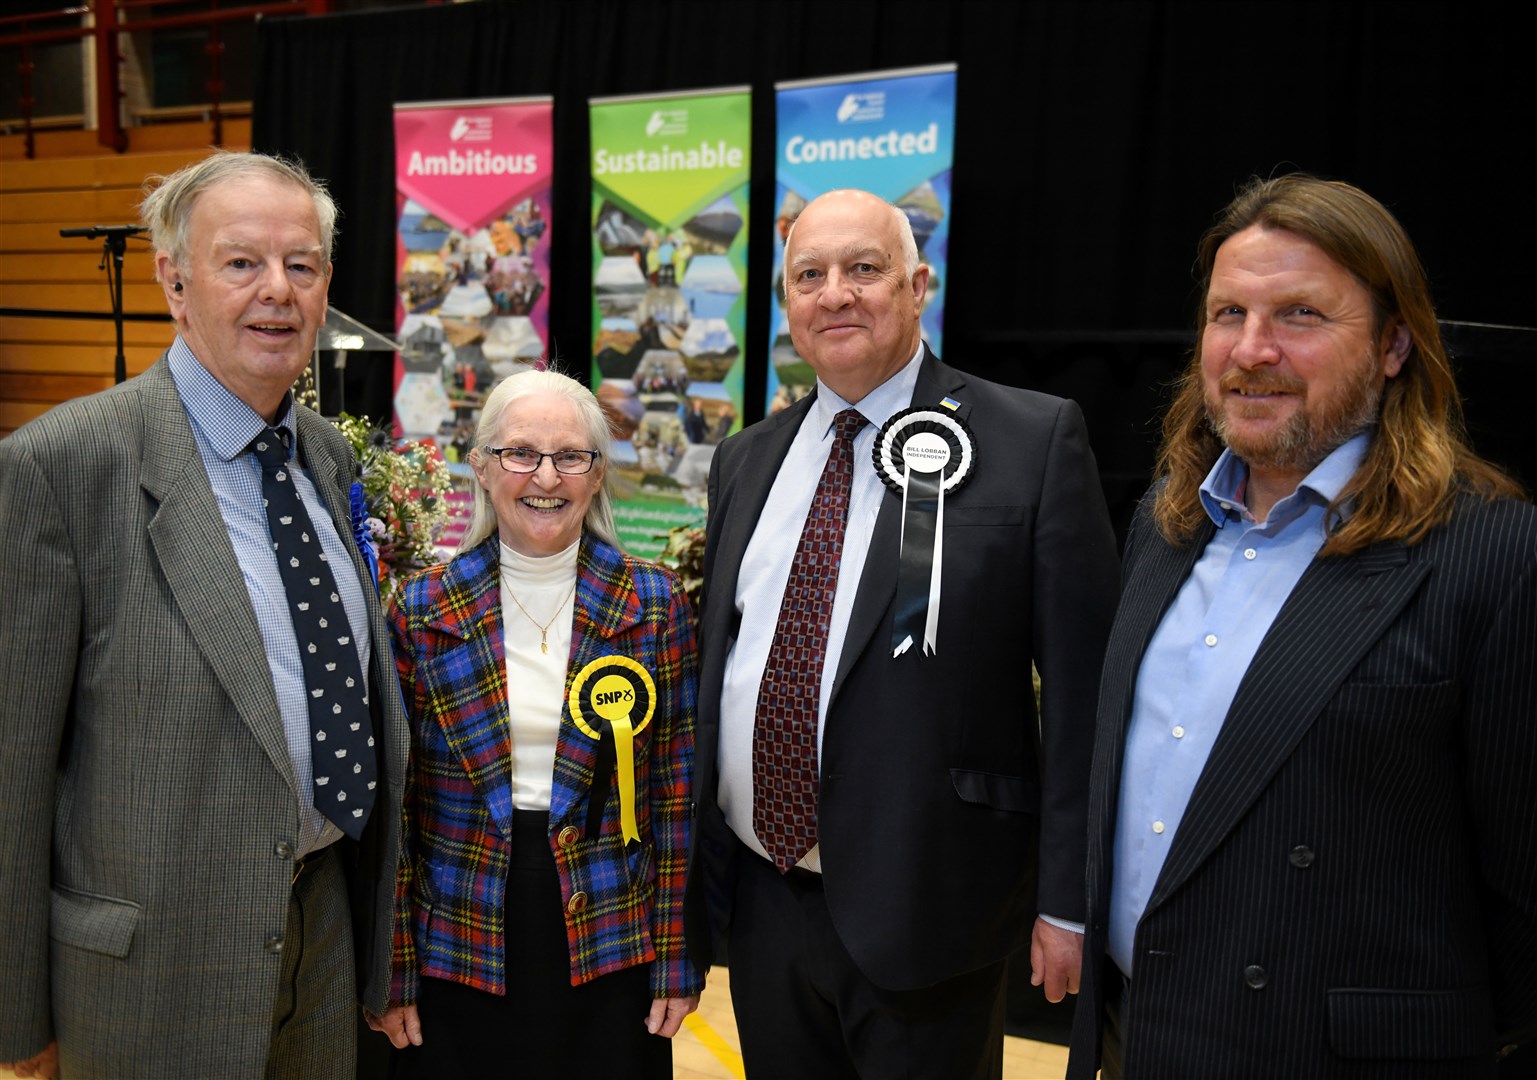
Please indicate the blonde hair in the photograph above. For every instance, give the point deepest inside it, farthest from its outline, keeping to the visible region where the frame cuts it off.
(1419, 457)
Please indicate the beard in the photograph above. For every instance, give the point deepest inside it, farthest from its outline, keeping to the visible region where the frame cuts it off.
(1311, 433)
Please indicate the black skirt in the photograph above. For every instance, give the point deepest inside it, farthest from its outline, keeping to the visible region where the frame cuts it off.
(544, 1026)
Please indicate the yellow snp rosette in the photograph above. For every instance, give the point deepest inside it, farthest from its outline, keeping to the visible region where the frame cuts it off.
(608, 695)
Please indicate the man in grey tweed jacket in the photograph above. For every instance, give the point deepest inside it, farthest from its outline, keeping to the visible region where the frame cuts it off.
(174, 904)
(1313, 805)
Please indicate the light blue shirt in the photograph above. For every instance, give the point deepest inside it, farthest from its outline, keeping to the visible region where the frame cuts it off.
(765, 571)
(223, 427)
(1196, 659)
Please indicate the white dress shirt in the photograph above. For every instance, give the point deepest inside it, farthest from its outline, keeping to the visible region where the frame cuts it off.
(766, 570)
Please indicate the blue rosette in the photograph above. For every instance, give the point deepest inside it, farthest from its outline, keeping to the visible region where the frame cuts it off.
(360, 531)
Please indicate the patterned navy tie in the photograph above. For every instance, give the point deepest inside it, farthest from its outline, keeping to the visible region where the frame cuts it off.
(341, 750)
(784, 741)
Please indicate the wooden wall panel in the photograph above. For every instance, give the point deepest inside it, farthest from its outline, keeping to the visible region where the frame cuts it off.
(106, 206)
(72, 182)
(85, 296)
(24, 331)
(82, 264)
(83, 360)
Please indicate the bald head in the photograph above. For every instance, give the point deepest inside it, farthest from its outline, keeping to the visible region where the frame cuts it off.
(854, 289)
(899, 219)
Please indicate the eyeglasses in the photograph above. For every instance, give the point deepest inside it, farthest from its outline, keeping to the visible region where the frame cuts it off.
(525, 459)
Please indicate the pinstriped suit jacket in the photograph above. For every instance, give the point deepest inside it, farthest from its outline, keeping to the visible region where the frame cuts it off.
(1353, 889)
(145, 782)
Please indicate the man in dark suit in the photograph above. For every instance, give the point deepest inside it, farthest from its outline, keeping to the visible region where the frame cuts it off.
(1313, 826)
(200, 864)
(883, 830)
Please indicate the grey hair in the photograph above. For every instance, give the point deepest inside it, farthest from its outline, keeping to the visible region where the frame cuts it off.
(600, 512)
(904, 226)
(167, 207)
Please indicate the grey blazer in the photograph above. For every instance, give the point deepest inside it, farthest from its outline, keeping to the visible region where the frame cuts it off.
(146, 791)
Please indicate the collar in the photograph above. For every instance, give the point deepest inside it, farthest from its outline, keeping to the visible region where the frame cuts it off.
(535, 570)
(1222, 492)
(228, 423)
(606, 595)
(878, 406)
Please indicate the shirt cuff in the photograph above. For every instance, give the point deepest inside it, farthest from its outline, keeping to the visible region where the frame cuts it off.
(1062, 924)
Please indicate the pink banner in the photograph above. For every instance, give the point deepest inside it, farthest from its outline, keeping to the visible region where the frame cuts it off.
(472, 260)
(472, 257)
(467, 161)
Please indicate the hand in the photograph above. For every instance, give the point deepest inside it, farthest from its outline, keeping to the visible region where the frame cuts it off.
(1056, 959)
(400, 1023)
(46, 1063)
(667, 1014)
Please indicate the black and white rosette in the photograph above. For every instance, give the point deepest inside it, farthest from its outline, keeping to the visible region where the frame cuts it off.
(922, 453)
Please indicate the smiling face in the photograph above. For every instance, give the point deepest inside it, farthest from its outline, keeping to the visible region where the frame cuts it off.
(253, 295)
(539, 513)
(852, 307)
(1292, 361)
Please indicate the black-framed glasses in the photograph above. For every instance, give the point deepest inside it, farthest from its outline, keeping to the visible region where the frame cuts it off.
(525, 459)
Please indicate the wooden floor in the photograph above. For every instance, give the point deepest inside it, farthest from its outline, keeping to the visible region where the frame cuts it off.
(707, 1047)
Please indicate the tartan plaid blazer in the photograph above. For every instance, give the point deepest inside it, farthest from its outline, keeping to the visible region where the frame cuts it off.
(446, 629)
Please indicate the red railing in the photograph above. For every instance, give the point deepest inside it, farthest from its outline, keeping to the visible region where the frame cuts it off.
(29, 31)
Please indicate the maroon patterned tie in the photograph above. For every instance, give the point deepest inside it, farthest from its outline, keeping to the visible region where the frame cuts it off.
(784, 741)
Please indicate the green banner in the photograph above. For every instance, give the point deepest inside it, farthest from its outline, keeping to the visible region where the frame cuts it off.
(669, 262)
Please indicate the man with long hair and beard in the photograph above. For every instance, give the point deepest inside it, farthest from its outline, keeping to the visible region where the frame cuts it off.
(1313, 816)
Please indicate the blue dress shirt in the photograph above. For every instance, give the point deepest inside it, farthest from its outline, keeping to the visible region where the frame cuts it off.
(223, 427)
(1196, 659)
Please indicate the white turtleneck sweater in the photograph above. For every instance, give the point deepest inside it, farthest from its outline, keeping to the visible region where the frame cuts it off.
(536, 680)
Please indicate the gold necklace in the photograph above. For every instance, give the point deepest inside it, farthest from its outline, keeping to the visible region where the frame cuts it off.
(544, 645)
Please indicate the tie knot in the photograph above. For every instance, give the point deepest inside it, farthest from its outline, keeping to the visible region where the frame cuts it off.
(847, 424)
(270, 448)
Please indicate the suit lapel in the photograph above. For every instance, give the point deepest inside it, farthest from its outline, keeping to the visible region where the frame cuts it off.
(470, 677)
(193, 548)
(324, 473)
(878, 578)
(1337, 612)
(742, 506)
(1153, 576)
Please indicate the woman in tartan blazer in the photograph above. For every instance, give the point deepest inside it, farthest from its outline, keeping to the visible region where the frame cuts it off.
(539, 904)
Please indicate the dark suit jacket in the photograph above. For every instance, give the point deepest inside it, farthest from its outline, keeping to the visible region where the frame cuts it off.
(944, 808)
(1353, 889)
(147, 797)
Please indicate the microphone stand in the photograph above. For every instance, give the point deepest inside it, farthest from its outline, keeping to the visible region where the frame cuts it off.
(114, 244)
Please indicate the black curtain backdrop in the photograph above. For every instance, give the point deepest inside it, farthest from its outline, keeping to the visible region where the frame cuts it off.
(1094, 142)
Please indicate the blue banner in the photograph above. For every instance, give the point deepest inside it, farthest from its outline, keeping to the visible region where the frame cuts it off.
(889, 132)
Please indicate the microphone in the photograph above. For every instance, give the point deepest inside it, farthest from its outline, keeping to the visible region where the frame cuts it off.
(91, 232)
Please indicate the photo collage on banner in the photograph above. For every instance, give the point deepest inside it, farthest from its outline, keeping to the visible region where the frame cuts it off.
(669, 258)
(891, 133)
(472, 251)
